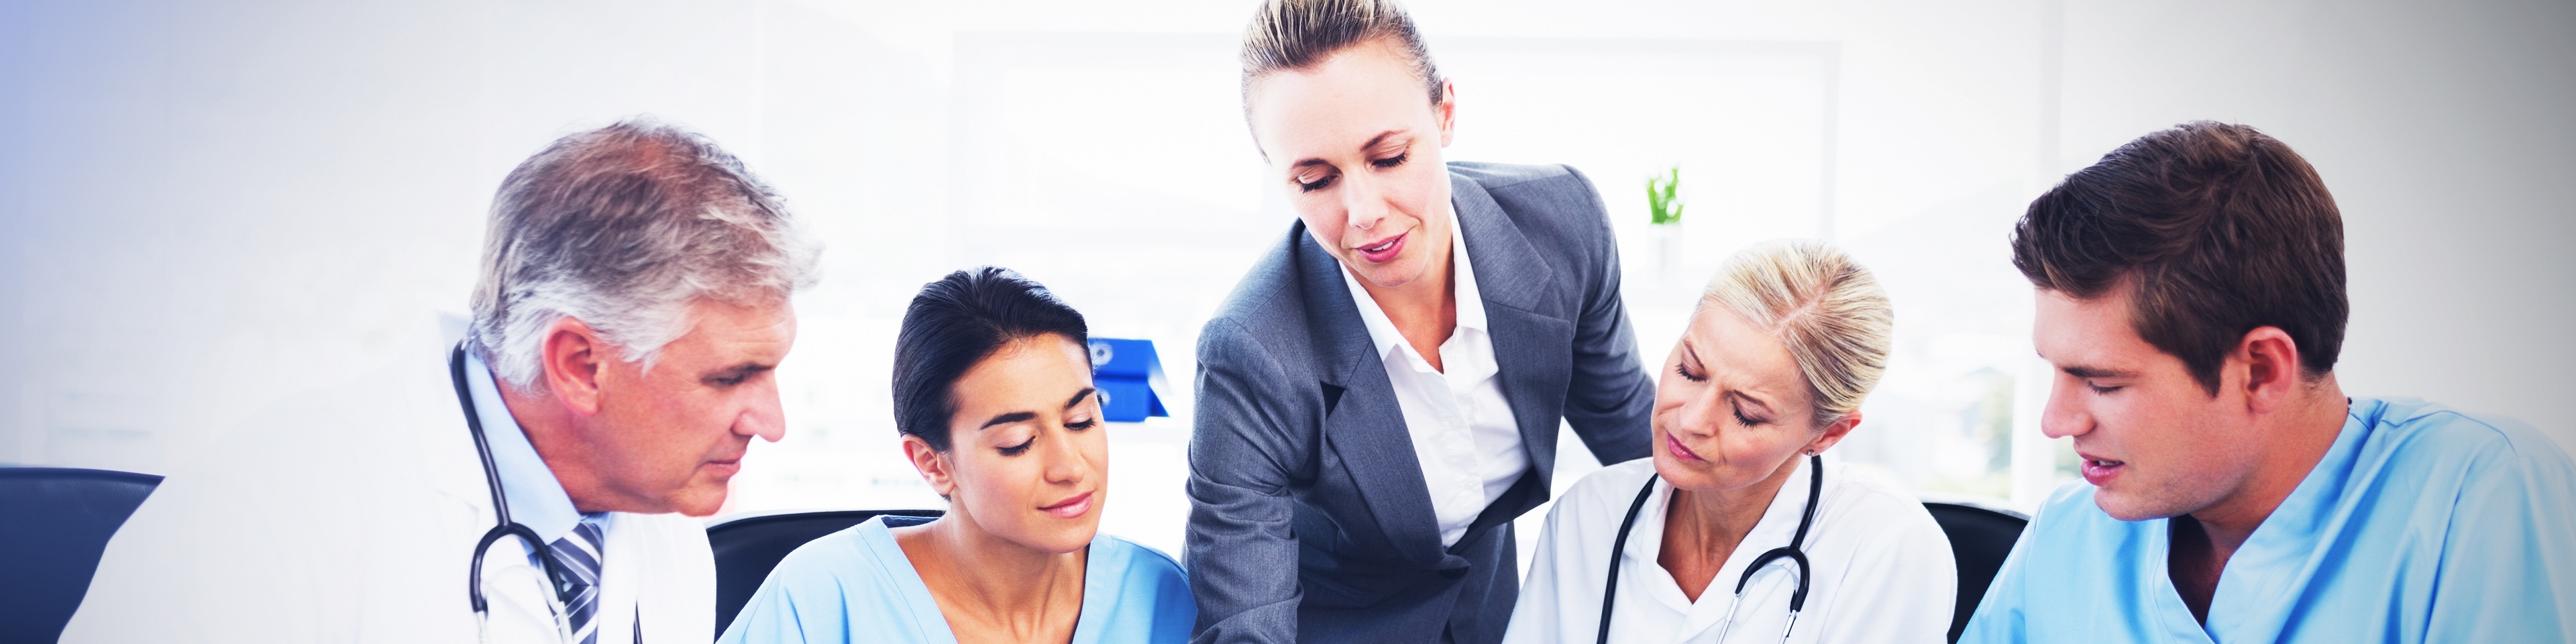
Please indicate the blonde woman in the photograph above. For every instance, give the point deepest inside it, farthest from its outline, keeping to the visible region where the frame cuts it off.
(1720, 536)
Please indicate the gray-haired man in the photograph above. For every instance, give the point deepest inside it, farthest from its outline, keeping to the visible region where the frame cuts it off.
(633, 303)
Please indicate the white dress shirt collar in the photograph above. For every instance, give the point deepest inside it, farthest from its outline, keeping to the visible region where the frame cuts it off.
(1471, 302)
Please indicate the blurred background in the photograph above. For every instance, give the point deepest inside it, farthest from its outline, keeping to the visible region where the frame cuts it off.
(205, 207)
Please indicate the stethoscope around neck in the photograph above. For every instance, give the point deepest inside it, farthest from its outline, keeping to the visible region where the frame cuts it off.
(1792, 553)
(503, 527)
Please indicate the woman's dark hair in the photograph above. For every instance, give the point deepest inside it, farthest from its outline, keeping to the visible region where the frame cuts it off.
(957, 322)
(2212, 230)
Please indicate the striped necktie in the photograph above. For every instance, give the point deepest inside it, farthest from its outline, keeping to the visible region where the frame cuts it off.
(580, 554)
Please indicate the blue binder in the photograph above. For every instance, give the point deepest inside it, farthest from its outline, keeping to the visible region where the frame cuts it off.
(1128, 375)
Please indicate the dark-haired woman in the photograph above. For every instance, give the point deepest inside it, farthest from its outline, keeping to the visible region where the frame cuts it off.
(994, 400)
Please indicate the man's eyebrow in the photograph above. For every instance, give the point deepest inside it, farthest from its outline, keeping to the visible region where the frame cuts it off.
(1013, 417)
(1078, 396)
(743, 370)
(2097, 372)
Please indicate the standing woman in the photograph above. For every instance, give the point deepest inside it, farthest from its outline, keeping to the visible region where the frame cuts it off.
(1680, 547)
(993, 397)
(1380, 396)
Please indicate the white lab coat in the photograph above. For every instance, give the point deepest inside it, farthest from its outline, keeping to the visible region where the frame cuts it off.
(1883, 569)
(350, 515)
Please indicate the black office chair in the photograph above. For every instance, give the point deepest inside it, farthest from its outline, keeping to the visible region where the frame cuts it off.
(54, 524)
(1980, 538)
(748, 547)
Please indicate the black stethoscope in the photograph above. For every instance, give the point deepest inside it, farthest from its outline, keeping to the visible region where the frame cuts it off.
(1791, 552)
(502, 526)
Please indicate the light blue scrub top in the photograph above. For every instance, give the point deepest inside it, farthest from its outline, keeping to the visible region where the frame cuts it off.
(2421, 524)
(856, 586)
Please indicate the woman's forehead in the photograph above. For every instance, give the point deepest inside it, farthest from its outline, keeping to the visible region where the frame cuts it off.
(1033, 375)
(1340, 103)
(1745, 357)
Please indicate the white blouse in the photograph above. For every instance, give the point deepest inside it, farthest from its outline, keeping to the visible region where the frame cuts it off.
(1463, 430)
(1883, 569)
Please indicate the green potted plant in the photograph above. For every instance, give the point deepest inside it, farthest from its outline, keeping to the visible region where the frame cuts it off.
(1664, 204)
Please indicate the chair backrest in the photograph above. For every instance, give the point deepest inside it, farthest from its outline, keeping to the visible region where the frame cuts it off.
(54, 524)
(747, 548)
(1980, 538)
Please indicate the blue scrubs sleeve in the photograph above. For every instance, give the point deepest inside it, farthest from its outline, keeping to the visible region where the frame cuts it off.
(2507, 574)
(779, 613)
(1998, 618)
(848, 586)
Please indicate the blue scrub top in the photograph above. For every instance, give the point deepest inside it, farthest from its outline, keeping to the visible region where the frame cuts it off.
(2419, 524)
(856, 586)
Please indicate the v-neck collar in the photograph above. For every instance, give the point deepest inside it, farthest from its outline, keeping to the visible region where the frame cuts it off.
(925, 608)
(2244, 605)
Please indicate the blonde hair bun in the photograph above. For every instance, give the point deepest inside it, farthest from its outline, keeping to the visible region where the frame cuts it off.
(1827, 309)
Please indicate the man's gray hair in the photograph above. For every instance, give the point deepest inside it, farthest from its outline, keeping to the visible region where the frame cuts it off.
(622, 228)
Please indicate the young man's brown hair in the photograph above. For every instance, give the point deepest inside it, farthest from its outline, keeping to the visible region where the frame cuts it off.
(2214, 230)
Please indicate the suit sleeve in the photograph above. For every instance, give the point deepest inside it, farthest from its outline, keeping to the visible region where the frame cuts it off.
(1241, 552)
(1609, 398)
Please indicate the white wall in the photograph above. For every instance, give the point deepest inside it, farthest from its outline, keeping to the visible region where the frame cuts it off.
(2442, 129)
(209, 207)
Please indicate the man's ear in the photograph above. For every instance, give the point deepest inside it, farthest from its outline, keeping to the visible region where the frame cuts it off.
(1834, 433)
(570, 358)
(1447, 111)
(2270, 361)
(932, 465)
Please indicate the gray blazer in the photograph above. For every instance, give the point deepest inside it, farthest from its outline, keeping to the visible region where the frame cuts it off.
(1309, 518)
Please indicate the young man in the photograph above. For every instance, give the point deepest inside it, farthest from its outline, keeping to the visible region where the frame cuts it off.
(2191, 296)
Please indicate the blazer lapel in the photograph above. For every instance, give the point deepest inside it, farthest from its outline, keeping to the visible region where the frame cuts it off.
(1364, 426)
(1532, 350)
